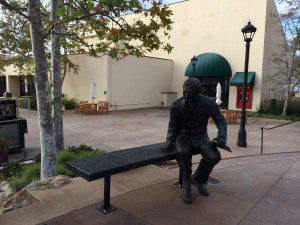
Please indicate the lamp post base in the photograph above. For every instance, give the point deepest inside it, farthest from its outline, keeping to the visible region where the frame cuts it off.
(242, 138)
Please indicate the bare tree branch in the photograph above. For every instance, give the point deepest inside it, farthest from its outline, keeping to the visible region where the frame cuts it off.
(10, 7)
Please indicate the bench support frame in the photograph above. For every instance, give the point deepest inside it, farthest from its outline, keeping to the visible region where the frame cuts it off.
(105, 207)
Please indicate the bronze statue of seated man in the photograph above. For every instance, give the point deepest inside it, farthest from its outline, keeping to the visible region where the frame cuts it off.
(187, 133)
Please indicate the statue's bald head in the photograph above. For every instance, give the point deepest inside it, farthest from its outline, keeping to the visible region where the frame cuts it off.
(194, 84)
(191, 89)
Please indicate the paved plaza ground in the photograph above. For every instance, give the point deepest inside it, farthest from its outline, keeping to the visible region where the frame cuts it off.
(254, 190)
(131, 128)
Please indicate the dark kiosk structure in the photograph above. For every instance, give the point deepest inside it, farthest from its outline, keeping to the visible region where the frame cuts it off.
(12, 128)
(248, 32)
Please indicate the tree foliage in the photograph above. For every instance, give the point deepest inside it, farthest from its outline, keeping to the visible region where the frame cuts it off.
(26, 29)
(104, 19)
(285, 60)
(15, 43)
(107, 20)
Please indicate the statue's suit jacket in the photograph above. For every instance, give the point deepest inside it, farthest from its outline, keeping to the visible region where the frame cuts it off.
(193, 125)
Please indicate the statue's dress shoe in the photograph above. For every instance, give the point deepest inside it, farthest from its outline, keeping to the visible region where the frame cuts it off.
(187, 196)
(201, 188)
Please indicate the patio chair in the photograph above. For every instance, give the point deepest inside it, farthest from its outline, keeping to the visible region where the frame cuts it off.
(93, 108)
(231, 116)
(103, 107)
(90, 108)
(79, 107)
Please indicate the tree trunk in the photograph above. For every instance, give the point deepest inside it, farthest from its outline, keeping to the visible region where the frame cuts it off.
(64, 67)
(286, 98)
(56, 79)
(48, 148)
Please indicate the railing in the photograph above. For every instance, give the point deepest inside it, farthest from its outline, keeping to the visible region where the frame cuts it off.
(270, 128)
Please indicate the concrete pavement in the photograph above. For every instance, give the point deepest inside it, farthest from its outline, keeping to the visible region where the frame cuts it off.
(251, 194)
(254, 190)
(131, 128)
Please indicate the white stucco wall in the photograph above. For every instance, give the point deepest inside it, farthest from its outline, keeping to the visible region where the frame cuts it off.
(138, 82)
(12, 80)
(202, 26)
(10, 71)
(79, 86)
(14, 85)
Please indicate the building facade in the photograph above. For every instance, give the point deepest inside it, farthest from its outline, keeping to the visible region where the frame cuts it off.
(126, 84)
(208, 29)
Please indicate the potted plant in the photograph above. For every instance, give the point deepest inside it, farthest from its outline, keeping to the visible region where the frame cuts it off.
(4, 149)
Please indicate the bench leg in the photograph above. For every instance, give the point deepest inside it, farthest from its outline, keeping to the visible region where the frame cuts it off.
(105, 207)
(179, 183)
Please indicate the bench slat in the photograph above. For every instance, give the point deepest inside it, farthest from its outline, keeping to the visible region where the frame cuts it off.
(111, 163)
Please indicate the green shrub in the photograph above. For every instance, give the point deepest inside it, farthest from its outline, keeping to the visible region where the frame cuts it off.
(272, 116)
(18, 183)
(22, 175)
(37, 158)
(83, 148)
(64, 156)
(62, 170)
(13, 169)
(69, 103)
(80, 148)
(30, 173)
(275, 107)
(86, 154)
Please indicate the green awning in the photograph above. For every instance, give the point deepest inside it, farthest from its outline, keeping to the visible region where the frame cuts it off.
(238, 79)
(209, 65)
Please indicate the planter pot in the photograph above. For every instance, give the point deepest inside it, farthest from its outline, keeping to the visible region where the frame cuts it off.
(3, 157)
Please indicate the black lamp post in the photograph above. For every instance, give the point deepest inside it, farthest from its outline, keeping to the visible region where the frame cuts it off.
(248, 32)
(194, 62)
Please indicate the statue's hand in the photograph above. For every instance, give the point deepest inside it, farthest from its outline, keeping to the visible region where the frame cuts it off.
(167, 148)
(219, 142)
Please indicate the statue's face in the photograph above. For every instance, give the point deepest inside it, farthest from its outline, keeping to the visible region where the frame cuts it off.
(190, 93)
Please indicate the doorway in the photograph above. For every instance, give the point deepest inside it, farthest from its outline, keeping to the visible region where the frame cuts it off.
(209, 88)
(239, 99)
(30, 90)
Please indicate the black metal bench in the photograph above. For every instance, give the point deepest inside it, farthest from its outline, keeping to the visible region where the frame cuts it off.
(112, 163)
